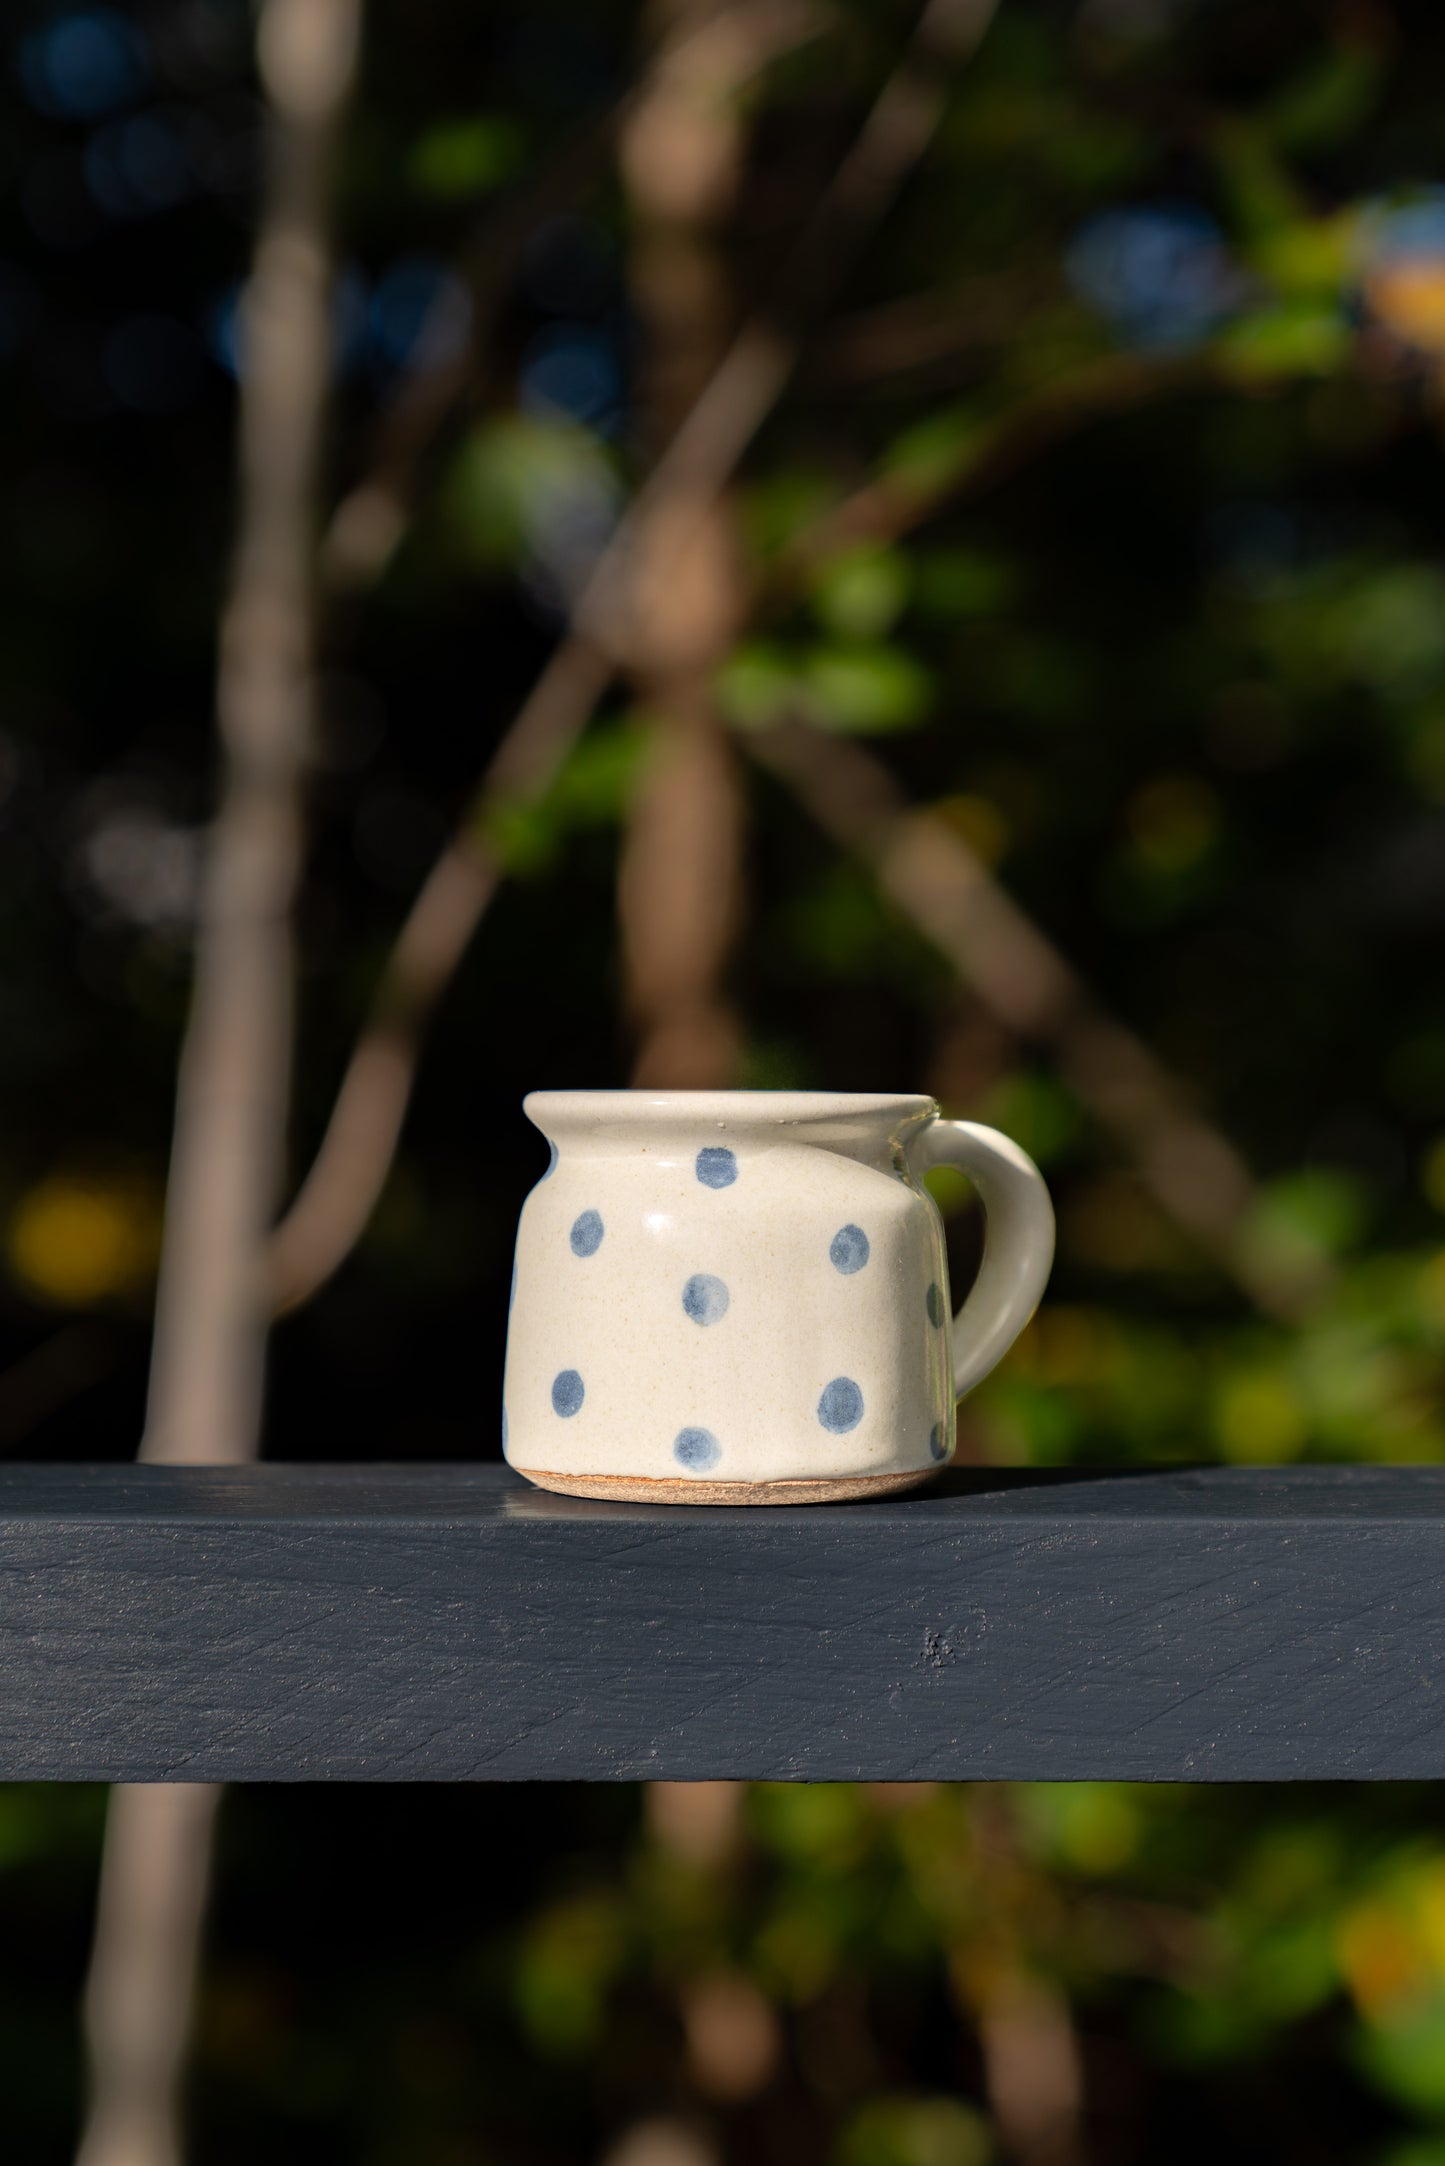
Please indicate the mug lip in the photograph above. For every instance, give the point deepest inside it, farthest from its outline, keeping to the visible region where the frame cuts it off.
(781, 1109)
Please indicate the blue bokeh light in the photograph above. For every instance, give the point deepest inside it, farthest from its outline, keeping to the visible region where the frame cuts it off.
(572, 370)
(1160, 273)
(1409, 233)
(84, 65)
(138, 165)
(420, 315)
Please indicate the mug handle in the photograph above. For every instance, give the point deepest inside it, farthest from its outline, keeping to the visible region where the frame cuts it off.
(1018, 1247)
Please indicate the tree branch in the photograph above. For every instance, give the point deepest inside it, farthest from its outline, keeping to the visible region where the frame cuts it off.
(337, 1197)
(932, 875)
(340, 1192)
(890, 508)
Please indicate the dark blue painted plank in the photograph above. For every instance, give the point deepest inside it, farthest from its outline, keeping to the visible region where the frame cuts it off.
(424, 1623)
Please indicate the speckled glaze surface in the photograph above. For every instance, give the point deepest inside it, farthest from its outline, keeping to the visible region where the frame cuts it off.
(720, 1295)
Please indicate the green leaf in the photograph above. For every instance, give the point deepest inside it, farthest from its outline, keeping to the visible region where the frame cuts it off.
(1259, 1420)
(950, 1189)
(1309, 259)
(1292, 1971)
(774, 509)
(861, 596)
(1091, 1827)
(916, 2132)
(515, 472)
(1331, 96)
(859, 688)
(1404, 2052)
(1302, 1222)
(866, 690)
(935, 451)
(564, 1968)
(596, 783)
(1263, 192)
(821, 1823)
(1037, 1110)
(954, 583)
(593, 789)
(1393, 631)
(838, 929)
(1298, 338)
(523, 837)
(460, 158)
(759, 686)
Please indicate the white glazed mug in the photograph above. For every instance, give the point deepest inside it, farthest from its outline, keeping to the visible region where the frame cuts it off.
(741, 1297)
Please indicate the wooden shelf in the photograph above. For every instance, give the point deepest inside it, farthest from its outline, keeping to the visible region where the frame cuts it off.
(421, 1623)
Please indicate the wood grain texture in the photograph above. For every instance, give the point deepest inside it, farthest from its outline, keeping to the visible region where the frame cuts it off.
(425, 1623)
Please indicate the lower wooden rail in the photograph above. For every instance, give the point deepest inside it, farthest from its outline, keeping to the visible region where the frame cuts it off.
(324, 1623)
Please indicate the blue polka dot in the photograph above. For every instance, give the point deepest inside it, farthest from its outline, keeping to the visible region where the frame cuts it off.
(568, 1392)
(705, 1298)
(849, 1251)
(716, 1166)
(587, 1232)
(938, 1442)
(935, 1304)
(841, 1406)
(696, 1449)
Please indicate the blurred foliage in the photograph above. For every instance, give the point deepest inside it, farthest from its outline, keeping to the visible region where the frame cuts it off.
(1140, 393)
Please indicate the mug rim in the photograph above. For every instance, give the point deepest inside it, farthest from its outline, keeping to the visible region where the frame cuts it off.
(778, 1108)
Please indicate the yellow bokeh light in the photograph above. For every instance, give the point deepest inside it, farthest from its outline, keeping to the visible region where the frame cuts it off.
(75, 1240)
(1379, 1960)
(1409, 297)
(1391, 1948)
(1427, 1895)
(1260, 1420)
(1074, 1345)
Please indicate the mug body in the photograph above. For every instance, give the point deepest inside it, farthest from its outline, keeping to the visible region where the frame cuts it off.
(736, 1296)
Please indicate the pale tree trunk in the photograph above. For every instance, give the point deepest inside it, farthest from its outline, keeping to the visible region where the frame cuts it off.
(213, 1298)
(1033, 2063)
(680, 883)
(138, 1995)
(211, 1307)
(680, 886)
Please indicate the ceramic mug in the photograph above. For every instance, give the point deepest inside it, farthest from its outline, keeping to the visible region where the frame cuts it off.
(741, 1297)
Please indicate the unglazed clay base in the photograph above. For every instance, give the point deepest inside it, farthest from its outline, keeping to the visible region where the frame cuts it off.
(642, 1489)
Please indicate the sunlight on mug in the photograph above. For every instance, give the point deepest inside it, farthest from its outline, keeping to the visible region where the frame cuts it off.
(741, 1297)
